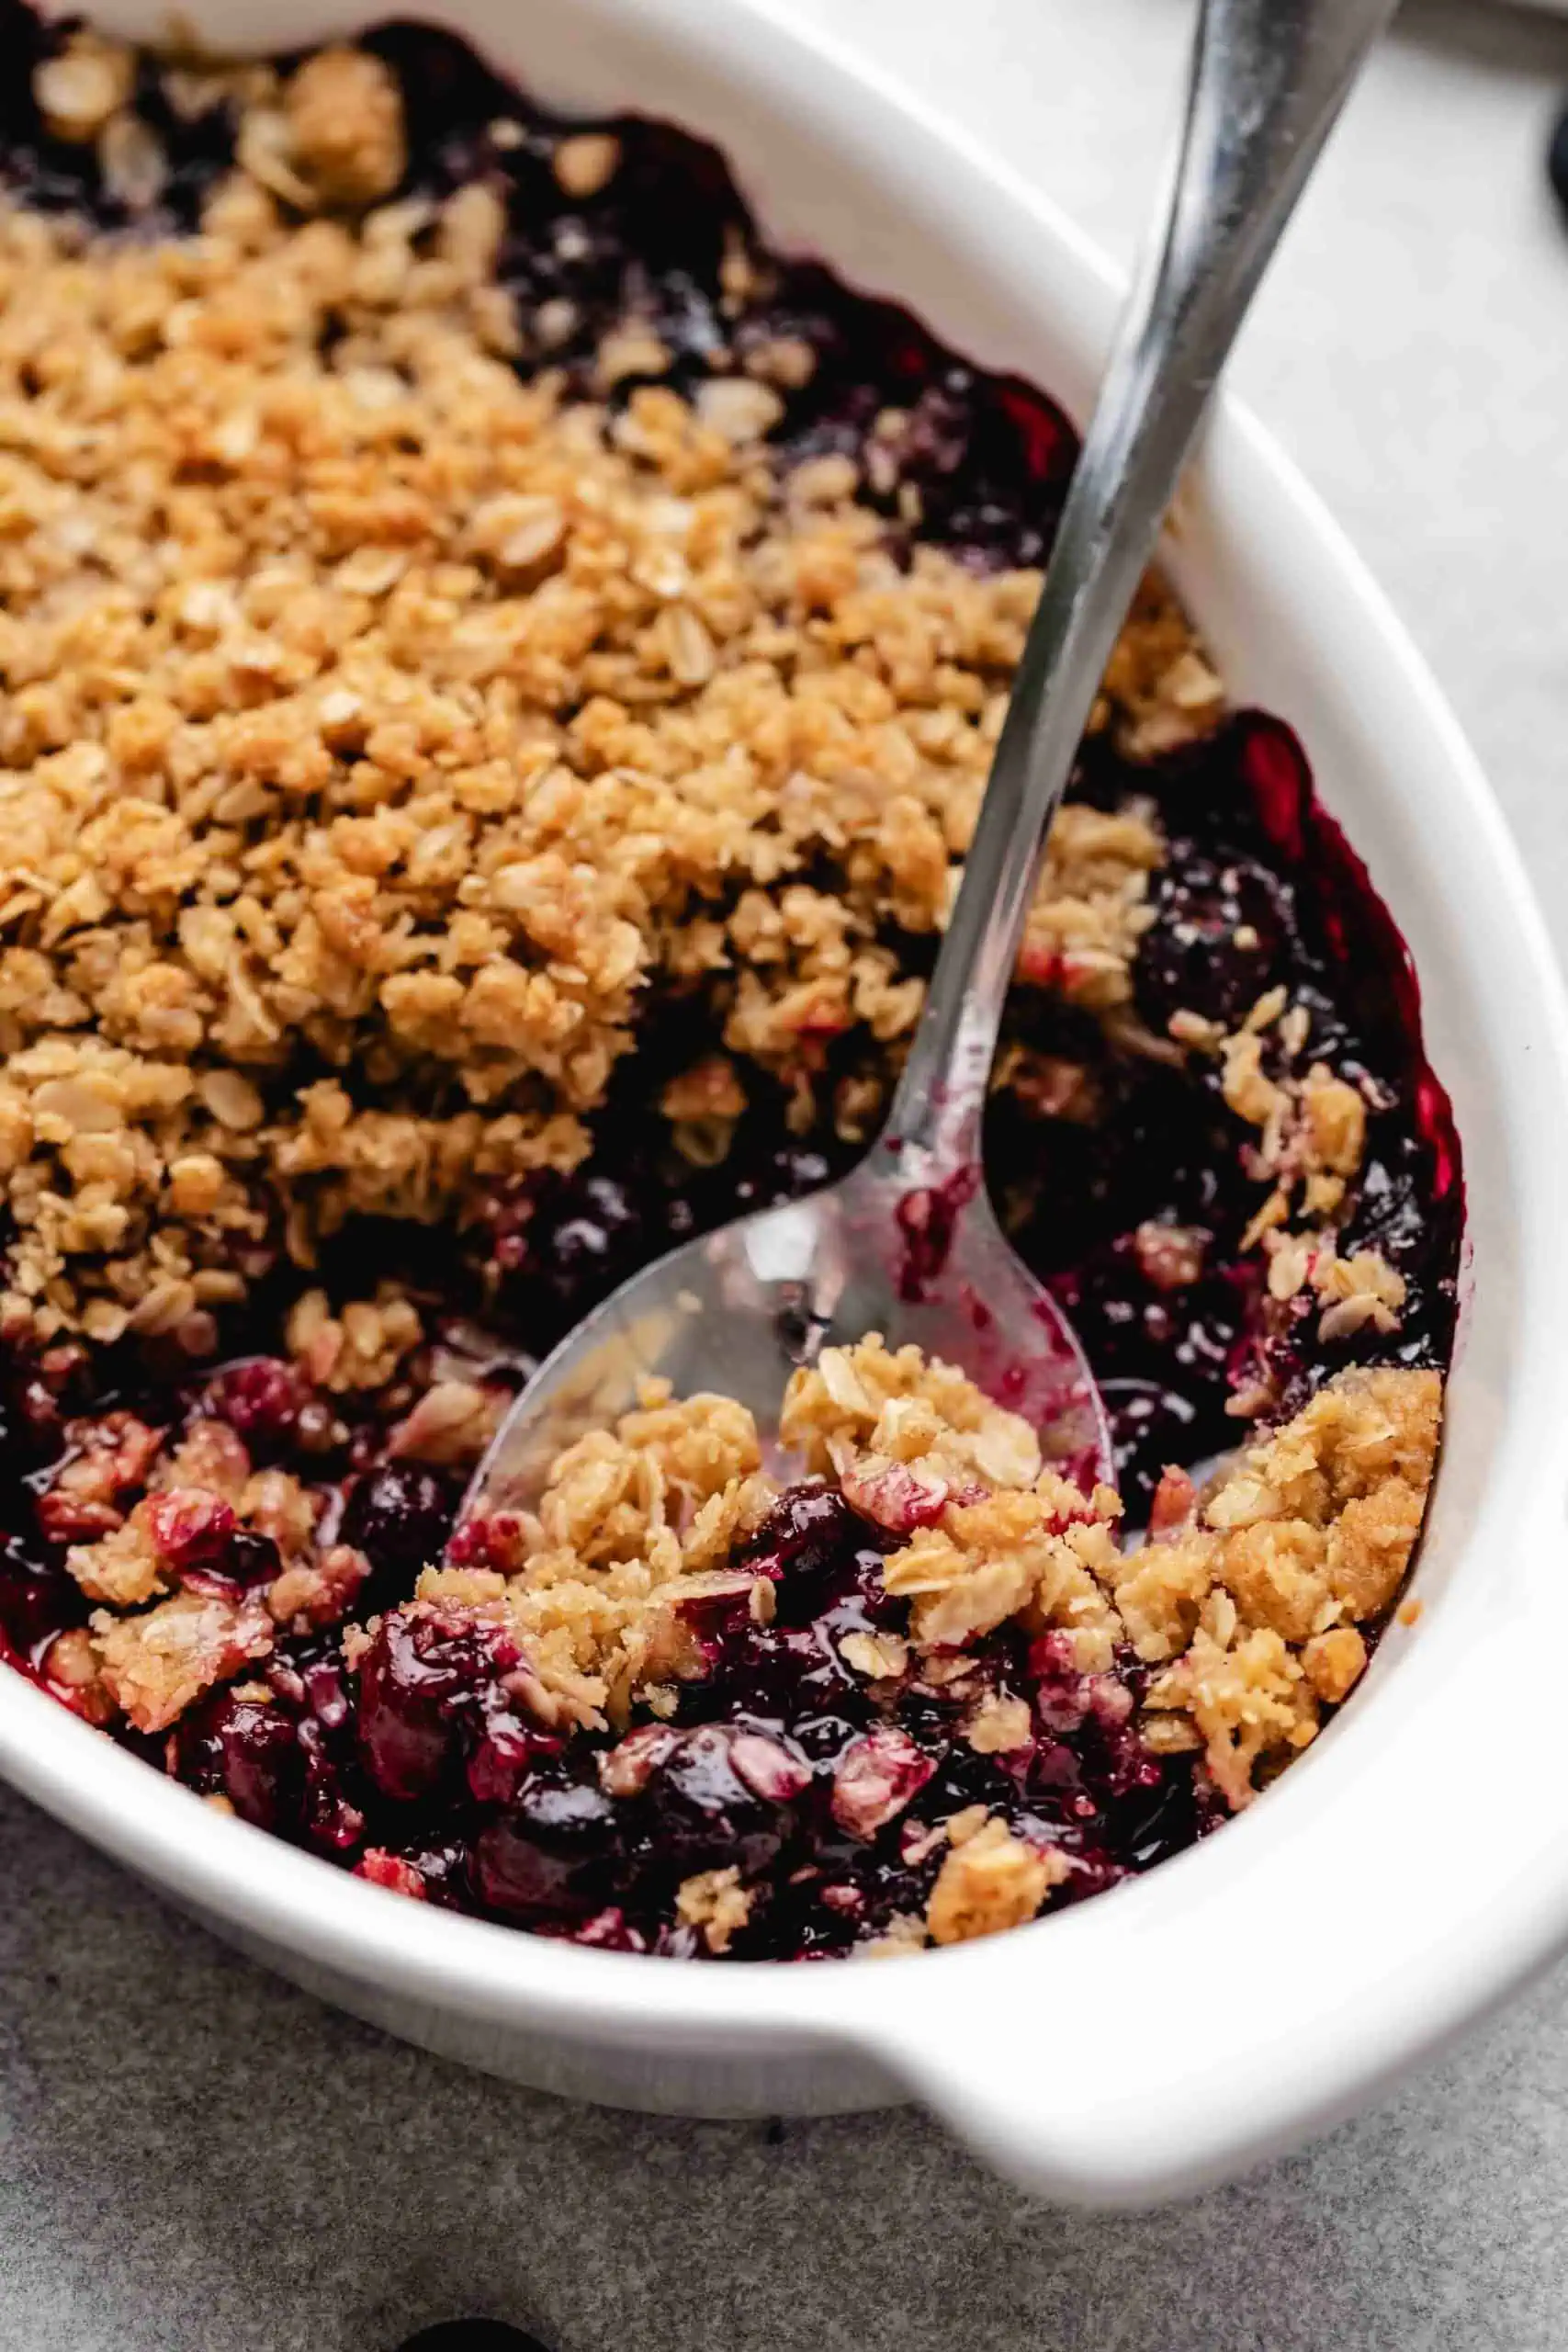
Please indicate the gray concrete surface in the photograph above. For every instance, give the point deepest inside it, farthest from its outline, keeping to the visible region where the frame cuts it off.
(194, 2159)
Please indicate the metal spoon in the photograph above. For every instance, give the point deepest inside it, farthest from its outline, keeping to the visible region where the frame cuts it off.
(908, 1244)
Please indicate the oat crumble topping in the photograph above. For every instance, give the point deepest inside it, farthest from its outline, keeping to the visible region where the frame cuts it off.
(382, 725)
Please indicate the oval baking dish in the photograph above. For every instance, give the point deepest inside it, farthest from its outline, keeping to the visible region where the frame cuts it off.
(1412, 1868)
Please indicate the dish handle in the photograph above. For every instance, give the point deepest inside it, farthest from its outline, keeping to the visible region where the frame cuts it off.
(1262, 1986)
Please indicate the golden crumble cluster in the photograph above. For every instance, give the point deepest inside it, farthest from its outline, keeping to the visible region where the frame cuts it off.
(635, 1526)
(378, 726)
(918, 1450)
(1258, 1591)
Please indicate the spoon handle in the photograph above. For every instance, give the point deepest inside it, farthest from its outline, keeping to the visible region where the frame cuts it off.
(1267, 80)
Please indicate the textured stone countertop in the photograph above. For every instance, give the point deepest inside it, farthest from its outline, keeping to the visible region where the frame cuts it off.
(194, 2158)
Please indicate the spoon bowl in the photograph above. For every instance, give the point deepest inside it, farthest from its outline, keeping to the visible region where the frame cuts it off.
(738, 1311)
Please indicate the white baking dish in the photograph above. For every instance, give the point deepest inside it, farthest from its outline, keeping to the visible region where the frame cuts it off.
(1413, 1866)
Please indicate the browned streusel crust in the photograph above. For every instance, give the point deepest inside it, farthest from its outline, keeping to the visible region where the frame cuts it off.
(715, 1903)
(369, 707)
(153, 1665)
(1258, 1591)
(634, 1526)
(989, 1881)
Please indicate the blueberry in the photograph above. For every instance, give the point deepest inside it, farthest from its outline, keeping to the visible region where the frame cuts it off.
(697, 1814)
(549, 1856)
(810, 1528)
(251, 1558)
(797, 1168)
(247, 1751)
(807, 1542)
(422, 1685)
(1216, 942)
(471, 2335)
(399, 1517)
(569, 1241)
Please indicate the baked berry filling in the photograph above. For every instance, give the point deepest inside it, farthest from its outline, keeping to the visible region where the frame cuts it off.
(500, 668)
